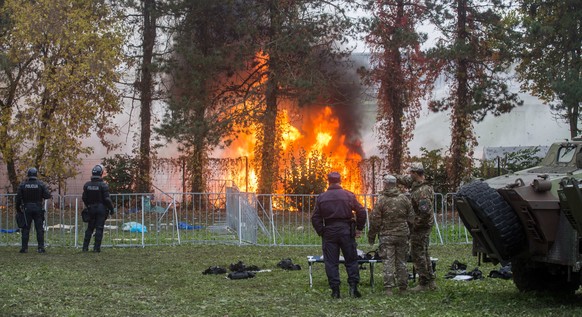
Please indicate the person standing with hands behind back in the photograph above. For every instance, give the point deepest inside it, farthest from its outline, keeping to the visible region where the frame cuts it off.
(390, 221)
(333, 220)
(96, 199)
(422, 196)
(30, 196)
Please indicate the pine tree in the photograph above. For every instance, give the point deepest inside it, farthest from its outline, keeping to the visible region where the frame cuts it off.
(471, 58)
(204, 80)
(295, 38)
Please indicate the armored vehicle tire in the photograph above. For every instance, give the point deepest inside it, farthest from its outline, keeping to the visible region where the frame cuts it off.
(497, 217)
(544, 278)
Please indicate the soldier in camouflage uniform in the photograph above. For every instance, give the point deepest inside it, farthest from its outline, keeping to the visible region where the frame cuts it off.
(422, 196)
(390, 221)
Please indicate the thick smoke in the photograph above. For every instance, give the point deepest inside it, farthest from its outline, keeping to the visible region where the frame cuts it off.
(346, 97)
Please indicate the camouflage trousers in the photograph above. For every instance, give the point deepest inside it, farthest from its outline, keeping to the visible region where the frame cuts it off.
(394, 251)
(419, 240)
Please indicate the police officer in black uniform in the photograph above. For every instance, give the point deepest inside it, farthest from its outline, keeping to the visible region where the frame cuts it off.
(333, 220)
(96, 199)
(30, 197)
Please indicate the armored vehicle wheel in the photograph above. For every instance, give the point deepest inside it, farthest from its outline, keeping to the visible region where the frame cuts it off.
(497, 217)
(545, 278)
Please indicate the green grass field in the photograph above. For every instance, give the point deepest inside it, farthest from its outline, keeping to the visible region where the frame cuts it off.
(168, 281)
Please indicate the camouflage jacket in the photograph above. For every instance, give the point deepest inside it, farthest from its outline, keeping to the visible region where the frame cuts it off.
(422, 196)
(391, 215)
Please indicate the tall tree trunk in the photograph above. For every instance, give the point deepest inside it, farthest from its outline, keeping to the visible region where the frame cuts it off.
(6, 146)
(571, 99)
(461, 134)
(396, 153)
(395, 137)
(198, 163)
(146, 87)
(11, 167)
(47, 110)
(397, 95)
(397, 104)
(573, 116)
(269, 164)
(574, 63)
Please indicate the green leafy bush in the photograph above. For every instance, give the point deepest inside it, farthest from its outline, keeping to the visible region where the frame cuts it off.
(120, 173)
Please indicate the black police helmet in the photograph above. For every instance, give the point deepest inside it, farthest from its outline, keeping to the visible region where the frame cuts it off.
(97, 170)
(32, 172)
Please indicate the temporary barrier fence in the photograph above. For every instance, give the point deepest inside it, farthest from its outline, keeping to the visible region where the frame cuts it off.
(230, 217)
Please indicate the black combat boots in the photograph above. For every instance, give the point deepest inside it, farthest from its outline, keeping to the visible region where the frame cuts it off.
(354, 291)
(335, 292)
(86, 244)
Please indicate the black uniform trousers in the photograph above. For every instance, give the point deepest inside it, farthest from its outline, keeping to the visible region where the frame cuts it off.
(97, 217)
(336, 237)
(34, 214)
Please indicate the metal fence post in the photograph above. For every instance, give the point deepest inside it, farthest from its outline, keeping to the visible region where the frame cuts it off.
(143, 228)
(239, 220)
(176, 218)
(434, 213)
(76, 222)
(272, 220)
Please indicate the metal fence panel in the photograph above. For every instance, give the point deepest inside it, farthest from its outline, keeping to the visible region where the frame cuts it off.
(229, 217)
(9, 234)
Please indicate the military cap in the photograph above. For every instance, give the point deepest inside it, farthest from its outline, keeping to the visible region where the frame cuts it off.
(334, 177)
(389, 179)
(417, 167)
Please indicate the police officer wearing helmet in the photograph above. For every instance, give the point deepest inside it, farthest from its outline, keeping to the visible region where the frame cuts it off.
(333, 220)
(96, 199)
(30, 197)
(422, 197)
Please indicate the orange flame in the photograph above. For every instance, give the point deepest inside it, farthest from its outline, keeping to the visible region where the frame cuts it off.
(317, 132)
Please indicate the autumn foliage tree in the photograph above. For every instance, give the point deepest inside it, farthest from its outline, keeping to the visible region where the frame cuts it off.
(470, 58)
(397, 70)
(58, 73)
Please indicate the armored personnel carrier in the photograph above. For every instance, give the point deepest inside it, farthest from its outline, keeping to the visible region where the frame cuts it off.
(532, 219)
